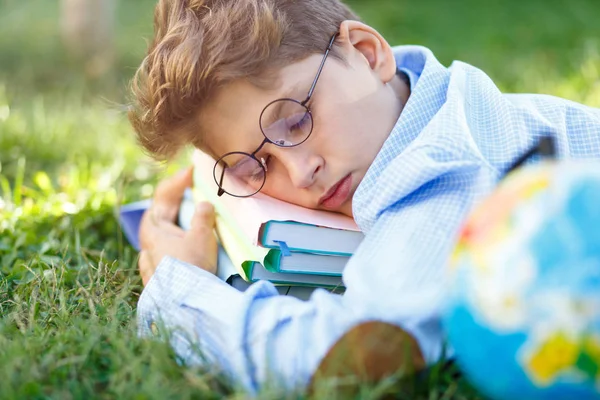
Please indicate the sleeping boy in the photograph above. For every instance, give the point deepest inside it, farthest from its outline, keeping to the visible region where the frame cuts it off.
(303, 102)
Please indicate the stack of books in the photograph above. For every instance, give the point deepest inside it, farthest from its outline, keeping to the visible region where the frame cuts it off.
(262, 238)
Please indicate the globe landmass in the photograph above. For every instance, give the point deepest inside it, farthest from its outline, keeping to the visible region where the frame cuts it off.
(523, 316)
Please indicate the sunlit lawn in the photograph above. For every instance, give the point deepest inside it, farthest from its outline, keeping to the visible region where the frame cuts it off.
(68, 285)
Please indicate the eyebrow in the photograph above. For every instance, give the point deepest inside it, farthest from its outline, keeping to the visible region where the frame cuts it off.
(288, 94)
(237, 161)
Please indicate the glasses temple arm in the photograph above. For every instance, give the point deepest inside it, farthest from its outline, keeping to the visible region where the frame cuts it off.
(221, 190)
(312, 87)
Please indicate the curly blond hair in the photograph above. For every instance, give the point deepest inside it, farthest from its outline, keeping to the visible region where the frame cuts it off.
(201, 45)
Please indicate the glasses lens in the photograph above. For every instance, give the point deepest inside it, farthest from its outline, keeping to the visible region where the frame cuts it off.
(239, 175)
(286, 122)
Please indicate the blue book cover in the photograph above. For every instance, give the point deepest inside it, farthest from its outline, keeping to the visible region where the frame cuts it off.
(130, 217)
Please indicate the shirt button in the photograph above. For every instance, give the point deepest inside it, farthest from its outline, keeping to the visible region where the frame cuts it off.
(154, 328)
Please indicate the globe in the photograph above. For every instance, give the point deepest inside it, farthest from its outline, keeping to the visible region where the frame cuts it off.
(523, 316)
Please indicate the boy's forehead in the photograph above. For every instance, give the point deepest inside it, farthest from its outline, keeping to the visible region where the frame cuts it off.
(277, 84)
(234, 97)
(230, 120)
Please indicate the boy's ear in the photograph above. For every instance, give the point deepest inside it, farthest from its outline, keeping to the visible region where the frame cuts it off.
(354, 35)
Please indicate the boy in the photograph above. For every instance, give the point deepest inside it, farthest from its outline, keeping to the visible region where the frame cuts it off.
(301, 101)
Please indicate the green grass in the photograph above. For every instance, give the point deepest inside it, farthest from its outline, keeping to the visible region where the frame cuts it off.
(68, 282)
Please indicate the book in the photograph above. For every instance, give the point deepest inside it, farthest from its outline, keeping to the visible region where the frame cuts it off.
(253, 271)
(266, 230)
(295, 262)
(300, 292)
(130, 216)
(302, 237)
(286, 284)
(307, 263)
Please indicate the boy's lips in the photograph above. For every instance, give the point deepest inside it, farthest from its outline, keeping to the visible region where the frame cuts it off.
(337, 194)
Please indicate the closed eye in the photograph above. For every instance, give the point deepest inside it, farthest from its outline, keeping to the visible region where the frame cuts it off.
(298, 122)
(258, 174)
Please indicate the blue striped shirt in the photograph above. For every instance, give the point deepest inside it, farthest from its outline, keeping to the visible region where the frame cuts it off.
(451, 144)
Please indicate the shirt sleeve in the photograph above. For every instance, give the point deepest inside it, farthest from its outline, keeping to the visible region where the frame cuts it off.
(254, 336)
(396, 275)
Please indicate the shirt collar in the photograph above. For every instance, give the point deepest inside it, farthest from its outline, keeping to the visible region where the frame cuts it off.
(427, 78)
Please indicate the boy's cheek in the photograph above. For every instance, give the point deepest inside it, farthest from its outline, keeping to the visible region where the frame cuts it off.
(284, 190)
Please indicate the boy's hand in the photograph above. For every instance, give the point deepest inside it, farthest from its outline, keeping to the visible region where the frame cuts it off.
(160, 237)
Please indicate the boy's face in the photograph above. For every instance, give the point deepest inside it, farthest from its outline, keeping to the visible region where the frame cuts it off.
(354, 107)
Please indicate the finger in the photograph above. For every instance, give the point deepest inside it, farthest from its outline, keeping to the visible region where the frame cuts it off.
(146, 231)
(153, 231)
(169, 228)
(201, 236)
(170, 191)
(144, 265)
(204, 217)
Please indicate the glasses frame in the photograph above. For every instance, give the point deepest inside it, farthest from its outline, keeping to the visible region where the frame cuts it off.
(266, 140)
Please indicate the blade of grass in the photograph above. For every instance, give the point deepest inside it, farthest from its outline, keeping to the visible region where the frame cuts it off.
(19, 178)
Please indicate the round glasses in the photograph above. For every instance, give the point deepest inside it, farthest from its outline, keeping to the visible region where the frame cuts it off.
(242, 174)
(284, 123)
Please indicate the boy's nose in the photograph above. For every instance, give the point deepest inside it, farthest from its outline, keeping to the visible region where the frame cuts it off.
(302, 166)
